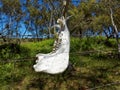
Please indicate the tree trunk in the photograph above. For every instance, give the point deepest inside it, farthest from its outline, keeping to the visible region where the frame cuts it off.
(37, 35)
(80, 32)
(116, 32)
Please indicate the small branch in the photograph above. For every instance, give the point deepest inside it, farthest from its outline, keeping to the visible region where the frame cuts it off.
(109, 84)
(66, 4)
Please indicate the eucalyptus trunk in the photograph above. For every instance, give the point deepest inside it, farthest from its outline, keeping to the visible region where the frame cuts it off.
(116, 32)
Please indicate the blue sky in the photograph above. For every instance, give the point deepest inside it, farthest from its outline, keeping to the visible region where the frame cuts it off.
(22, 29)
(76, 2)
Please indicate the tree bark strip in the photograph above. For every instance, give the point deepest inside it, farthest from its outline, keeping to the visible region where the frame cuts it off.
(116, 31)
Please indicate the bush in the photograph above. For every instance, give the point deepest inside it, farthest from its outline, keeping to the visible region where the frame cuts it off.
(111, 43)
(13, 51)
(84, 44)
(6, 77)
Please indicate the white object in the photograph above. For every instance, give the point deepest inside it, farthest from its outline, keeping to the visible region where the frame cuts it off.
(58, 60)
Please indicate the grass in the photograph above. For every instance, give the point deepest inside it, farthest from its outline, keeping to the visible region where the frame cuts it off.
(91, 70)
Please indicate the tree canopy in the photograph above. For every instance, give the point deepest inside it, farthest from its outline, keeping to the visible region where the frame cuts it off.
(33, 18)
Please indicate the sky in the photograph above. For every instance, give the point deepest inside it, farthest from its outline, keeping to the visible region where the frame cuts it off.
(22, 28)
(76, 2)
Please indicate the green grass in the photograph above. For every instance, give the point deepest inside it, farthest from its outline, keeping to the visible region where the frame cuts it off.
(91, 70)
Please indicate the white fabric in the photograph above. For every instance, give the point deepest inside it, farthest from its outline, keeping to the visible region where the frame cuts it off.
(58, 60)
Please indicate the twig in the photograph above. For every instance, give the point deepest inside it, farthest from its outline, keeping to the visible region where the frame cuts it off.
(109, 84)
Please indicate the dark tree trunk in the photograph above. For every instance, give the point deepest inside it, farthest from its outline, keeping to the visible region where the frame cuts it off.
(80, 32)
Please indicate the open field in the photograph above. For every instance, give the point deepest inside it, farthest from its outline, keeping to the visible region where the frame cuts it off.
(94, 60)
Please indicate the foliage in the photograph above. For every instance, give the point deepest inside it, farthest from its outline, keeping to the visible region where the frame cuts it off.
(93, 16)
(33, 18)
(13, 51)
(30, 49)
(94, 58)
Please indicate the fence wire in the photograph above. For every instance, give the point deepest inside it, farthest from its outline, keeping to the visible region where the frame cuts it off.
(72, 53)
(84, 53)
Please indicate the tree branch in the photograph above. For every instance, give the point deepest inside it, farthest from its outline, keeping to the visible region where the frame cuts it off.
(66, 7)
(113, 23)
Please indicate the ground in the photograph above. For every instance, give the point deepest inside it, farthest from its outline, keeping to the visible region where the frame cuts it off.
(92, 71)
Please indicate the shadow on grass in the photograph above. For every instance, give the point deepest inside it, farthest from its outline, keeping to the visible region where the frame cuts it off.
(37, 83)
